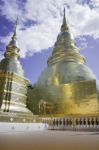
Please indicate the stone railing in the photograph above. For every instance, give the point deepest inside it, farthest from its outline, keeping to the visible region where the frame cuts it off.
(72, 123)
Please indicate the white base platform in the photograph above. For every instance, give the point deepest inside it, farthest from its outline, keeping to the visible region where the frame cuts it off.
(21, 127)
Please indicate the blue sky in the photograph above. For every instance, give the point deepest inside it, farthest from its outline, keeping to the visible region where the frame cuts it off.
(39, 25)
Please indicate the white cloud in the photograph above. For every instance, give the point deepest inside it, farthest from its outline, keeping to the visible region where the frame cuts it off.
(94, 3)
(83, 42)
(11, 9)
(47, 14)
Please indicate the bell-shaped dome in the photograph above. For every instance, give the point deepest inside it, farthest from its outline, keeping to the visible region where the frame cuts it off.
(11, 65)
(65, 72)
(66, 64)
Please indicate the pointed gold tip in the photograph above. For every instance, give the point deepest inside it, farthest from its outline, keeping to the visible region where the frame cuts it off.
(64, 14)
(16, 23)
(64, 26)
(64, 10)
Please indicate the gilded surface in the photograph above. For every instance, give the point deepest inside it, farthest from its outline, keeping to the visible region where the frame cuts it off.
(65, 48)
(13, 84)
(67, 99)
(13, 95)
(67, 85)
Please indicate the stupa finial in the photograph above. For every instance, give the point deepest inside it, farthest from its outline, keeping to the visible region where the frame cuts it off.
(64, 14)
(64, 26)
(14, 34)
(12, 48)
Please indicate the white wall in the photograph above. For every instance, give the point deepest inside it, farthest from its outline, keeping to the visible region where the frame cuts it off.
(15, 127)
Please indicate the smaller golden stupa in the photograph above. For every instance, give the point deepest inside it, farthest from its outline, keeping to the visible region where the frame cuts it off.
(13, 86)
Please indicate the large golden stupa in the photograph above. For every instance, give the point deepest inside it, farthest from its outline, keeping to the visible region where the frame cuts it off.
(67, 85)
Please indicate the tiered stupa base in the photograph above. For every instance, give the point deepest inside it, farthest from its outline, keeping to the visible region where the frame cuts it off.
(16, 117)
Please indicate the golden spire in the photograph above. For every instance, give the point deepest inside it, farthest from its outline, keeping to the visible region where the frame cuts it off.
(14, 34)
(64, 26)
(12, 47)
(65, 48)
(13, 42)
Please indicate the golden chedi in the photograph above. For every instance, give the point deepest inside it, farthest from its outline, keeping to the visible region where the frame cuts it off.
(13, 86)
(67, 85)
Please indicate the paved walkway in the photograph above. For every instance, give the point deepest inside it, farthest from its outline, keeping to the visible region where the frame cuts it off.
(49, 140)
